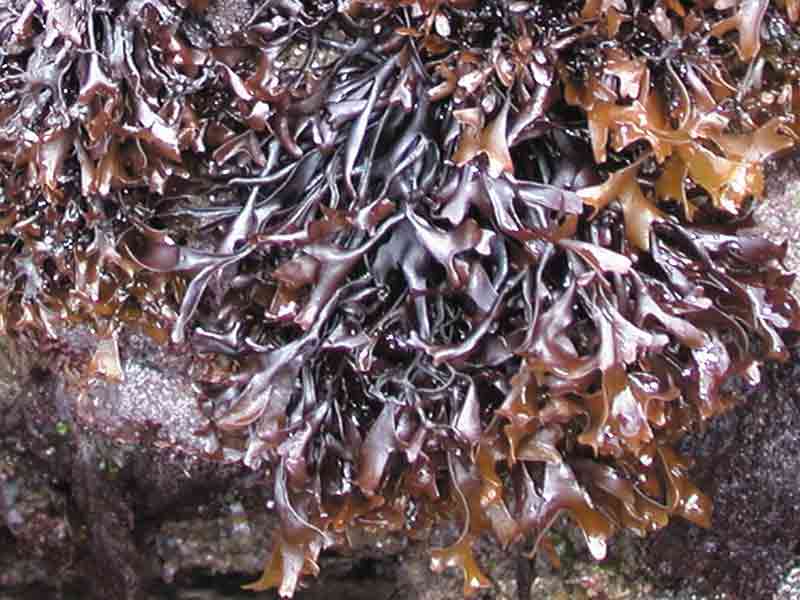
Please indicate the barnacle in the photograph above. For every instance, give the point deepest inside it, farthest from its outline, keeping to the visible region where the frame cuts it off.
(466, 260)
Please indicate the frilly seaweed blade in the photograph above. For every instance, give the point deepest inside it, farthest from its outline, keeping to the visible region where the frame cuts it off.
(442, 260)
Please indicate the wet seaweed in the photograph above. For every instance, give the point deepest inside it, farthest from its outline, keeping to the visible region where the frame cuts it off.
(471, 261)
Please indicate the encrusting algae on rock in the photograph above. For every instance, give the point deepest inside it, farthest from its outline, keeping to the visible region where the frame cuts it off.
(431, 261)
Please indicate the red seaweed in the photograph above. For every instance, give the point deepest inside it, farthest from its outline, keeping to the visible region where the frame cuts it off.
(480, 261)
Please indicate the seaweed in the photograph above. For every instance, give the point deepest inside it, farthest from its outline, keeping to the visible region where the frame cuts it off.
(433, 260)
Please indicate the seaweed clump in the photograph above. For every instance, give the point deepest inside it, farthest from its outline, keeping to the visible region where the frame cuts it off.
(433, 261)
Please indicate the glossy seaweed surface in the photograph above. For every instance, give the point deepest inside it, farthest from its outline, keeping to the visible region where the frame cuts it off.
(442, 260)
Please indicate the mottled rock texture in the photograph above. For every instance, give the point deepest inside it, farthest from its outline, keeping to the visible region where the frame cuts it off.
(749, 461)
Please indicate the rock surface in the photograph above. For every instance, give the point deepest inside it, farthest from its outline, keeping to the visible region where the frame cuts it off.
(749, 462)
